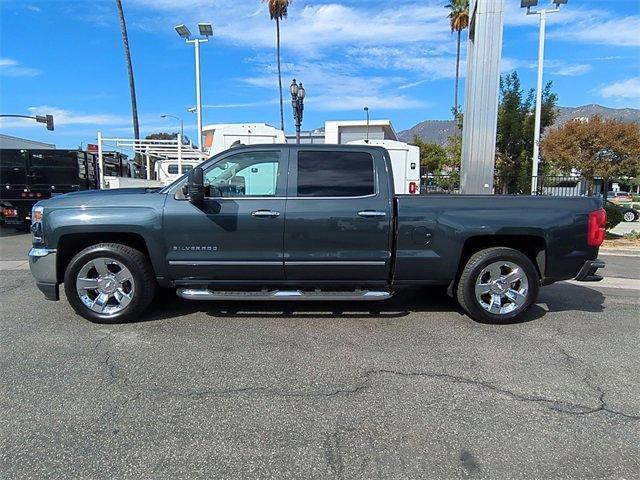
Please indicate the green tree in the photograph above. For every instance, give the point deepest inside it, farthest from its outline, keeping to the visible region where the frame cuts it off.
(459, 19)
(595, 148)
(278, 9)
(514, 141)
(432, 155)
(454, 151)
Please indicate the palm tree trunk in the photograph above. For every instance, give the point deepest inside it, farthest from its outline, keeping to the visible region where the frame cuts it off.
(127, 56)
(279, 73)
(455, 95)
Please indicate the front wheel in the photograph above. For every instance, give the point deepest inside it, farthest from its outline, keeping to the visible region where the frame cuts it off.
(498, 285)
(629, 217)
(109, 283)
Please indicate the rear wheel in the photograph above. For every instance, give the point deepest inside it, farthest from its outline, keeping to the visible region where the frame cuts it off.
(109, 283)
(629, 216)
(498, 285)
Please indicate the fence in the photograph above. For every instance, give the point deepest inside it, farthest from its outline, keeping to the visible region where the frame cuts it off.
(553, 185)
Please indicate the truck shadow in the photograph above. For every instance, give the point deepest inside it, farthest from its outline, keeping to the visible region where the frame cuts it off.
(555, 298)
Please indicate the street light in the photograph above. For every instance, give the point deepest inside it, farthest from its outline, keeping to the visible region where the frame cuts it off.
(46, 119)
(297, 101)
(165, 115)
(529, 4)
(366, 109)
(206, 30)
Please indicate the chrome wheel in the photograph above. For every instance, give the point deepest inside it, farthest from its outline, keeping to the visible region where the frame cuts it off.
(105, 286)
(502, 287)
(629, 216)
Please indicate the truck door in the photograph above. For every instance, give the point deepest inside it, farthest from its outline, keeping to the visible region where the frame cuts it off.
(339, 215)
(238, 233)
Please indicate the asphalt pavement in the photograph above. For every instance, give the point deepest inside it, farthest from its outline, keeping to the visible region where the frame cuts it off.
(410, 388)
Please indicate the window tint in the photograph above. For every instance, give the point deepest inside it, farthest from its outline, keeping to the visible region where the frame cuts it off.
(335, 174)
(245, 174)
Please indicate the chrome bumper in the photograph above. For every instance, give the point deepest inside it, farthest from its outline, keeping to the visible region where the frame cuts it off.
(42, 262)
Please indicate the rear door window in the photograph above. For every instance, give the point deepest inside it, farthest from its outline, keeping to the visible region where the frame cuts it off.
(326, 173)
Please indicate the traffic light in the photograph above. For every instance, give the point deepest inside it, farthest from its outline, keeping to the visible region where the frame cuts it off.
(49, 122)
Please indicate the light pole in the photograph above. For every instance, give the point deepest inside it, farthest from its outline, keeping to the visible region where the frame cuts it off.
(528, 4)
(366, 109)
(206, 30)
(47, 119)
(165, 115)
(297, 101)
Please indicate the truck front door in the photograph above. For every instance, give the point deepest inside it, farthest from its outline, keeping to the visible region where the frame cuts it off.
(237, 234)
(339, 215)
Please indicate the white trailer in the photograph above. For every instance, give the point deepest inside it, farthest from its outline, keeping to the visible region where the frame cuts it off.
(220, 137)
(405, 162)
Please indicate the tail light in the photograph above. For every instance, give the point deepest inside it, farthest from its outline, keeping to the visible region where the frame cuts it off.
(596, 229)
(413, 188)
(9, 212)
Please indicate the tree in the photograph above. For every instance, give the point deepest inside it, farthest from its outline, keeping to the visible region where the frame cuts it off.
(454, 151)
(432, 155)
(516, 119)
(598, 147)
(459, 18)
(127, 56)
(278, 9)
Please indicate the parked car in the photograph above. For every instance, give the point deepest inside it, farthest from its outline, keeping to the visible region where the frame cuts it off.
(307, 222)
(619, 197)
(628, 214)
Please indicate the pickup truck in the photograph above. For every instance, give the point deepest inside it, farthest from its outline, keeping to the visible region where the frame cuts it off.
(307, 222)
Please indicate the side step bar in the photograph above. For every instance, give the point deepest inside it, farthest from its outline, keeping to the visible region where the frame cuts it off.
(299, 295)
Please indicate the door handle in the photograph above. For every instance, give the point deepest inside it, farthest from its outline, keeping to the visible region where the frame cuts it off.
(371, 213)
(265, 214)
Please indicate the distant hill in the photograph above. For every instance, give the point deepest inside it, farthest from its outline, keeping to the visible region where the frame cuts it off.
(437, 131)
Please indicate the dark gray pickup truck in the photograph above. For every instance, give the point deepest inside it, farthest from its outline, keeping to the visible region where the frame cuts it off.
(314, 222)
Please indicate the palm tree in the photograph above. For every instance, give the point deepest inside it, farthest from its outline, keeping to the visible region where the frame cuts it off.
(459, 16)
(127, 56)
(278, 10)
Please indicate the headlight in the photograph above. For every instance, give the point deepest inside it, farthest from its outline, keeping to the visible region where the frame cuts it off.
(37, 214)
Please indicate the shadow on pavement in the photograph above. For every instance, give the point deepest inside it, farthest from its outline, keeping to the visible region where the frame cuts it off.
(557, 298)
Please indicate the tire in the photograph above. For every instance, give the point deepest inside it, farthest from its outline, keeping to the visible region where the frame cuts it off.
(629, 216)
(109, 283)
(488, 269)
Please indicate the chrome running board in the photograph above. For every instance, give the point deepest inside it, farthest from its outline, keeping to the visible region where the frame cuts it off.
(299, 295)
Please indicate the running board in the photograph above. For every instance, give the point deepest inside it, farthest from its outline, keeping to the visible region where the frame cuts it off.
(299, 295)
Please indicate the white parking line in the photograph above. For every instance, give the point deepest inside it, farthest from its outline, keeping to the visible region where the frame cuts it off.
(611, 282)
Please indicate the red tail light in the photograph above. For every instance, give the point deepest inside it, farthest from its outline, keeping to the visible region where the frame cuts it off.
(597, 224)
(413, 187)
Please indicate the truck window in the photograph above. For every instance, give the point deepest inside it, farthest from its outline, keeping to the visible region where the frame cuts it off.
(335, 174)
(248, 174)
(172, 169)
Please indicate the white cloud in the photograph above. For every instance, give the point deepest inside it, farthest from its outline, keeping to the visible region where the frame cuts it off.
(572, 70)
(34, 8)
(619, 32)
(624, 89)
(12, 68)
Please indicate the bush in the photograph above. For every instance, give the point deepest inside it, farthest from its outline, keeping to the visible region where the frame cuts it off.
(632, 235)
(614, 216)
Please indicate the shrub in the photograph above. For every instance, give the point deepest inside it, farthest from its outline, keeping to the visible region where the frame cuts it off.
(632, 235)
(614, 216)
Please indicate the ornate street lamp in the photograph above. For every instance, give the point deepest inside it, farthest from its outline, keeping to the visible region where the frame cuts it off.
(297, 101)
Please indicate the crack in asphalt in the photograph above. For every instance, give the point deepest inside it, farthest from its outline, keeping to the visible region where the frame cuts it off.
(556, 405)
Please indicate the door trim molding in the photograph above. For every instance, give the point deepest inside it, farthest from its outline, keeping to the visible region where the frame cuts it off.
(334, 263)
(200, 263)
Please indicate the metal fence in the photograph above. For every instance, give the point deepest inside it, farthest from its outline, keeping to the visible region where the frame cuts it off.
(552, 185)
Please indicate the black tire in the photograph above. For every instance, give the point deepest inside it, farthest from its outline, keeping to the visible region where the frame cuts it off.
(141, 271)
(466, 289)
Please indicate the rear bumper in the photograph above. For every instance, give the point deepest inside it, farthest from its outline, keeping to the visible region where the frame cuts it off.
(42, 262)
(588, 271)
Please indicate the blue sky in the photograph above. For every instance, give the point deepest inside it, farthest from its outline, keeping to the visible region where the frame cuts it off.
(398, 58)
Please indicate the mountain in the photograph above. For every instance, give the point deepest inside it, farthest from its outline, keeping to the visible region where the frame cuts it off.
(437, 131)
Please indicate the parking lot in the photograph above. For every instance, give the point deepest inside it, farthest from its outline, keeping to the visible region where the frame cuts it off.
(409, 388)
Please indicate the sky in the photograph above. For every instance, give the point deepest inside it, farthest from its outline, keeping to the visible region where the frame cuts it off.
(65, 58)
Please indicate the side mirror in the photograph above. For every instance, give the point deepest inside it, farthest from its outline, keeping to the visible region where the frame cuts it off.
(195, 186)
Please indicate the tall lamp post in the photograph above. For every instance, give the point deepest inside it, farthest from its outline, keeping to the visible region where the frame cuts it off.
(366, 109)
(297, 101)
(206, 30)
(165, 115)
(529, 4)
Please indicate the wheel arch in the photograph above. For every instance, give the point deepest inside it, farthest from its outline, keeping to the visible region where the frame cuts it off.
(69, 245)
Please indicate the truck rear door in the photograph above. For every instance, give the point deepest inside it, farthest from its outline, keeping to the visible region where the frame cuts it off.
(338, 222)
